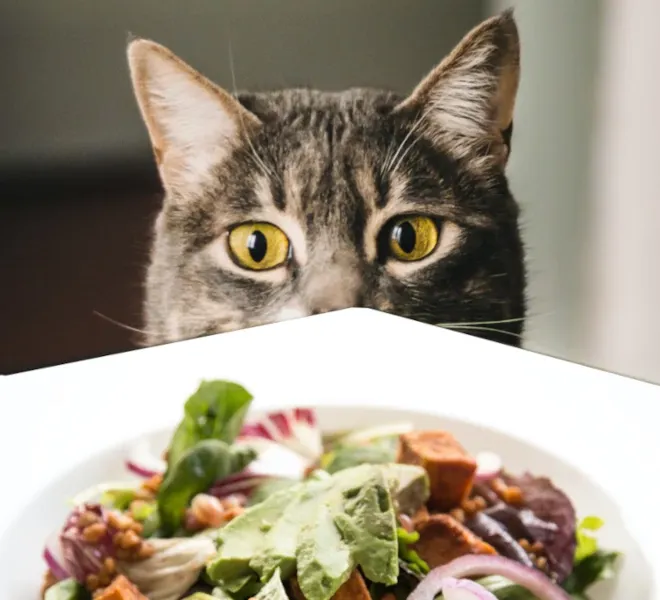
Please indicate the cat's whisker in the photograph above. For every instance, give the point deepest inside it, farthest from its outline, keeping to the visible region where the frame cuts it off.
(402, 145)
(124, 325)
(253, 151)
(478, 328)
(496, 322)
(408, 148)
(386, 159)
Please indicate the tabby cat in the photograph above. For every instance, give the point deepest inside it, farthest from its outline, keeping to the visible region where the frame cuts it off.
(297, 202)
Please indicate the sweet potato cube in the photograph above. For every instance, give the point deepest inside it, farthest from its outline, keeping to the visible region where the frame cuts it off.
(296, 592)
(354, 588)
(450, 468)
(121, 589)
(420, 516)
(442, 539)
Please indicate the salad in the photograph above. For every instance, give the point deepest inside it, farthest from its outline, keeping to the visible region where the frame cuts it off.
(239, 508)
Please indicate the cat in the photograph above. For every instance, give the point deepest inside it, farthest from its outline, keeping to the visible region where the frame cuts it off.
(296, 202)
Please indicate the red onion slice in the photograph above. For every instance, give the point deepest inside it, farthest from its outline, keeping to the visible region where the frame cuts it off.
(139, 470)
(481, 565)
(464, 589)
(54, 558)
(489, 466)
(143, 462)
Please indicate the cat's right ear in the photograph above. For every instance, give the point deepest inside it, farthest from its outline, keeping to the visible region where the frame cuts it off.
(467, 102)
(192, 123)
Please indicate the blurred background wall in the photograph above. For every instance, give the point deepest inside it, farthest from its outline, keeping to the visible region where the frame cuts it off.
(79, 190)
(77, 182)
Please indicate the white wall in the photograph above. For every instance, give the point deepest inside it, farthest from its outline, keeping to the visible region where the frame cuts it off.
(551, 156)
(585, 168)
(622, 297)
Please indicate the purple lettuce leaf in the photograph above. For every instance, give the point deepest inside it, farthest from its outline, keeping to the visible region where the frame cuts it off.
(549, 505)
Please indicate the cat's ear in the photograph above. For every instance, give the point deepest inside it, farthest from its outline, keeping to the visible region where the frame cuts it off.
(192, 123)
(467, 101)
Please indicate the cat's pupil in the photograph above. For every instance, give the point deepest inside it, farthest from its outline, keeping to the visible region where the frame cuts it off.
(404, 234)
(257, 246)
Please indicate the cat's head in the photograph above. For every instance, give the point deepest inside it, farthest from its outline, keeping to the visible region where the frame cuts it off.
(296, 202)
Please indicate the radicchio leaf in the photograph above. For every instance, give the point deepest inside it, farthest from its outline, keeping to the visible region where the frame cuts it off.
(550, 504)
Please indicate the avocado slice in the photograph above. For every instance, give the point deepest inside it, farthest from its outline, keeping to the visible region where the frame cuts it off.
(320, 530)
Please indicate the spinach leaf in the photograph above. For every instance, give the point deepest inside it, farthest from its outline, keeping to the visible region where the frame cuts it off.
(215, 411)
(195, 471)
(67, 589)
(598, 566)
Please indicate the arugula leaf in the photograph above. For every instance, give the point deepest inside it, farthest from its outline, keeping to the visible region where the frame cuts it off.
(195, 471)
(215, 411)
(67, 589)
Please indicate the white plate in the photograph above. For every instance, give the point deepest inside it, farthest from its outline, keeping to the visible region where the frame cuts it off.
(22, 544)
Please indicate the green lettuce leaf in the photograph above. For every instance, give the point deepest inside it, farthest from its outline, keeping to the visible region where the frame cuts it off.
(119, 499)
(587, 543)
(381, 451)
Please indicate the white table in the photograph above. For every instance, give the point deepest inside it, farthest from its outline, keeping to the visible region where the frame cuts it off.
(53, 418)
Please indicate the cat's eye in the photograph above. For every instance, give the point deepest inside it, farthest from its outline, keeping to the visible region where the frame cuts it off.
(258, 246)
(413, 238)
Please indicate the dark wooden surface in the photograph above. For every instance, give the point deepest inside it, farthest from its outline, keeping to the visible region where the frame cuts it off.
(72, 244)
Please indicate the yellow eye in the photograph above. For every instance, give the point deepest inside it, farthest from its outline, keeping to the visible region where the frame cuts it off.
(258, 246)
(413, 238)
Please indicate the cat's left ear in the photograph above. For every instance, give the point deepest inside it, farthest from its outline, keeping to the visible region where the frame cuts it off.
(467, 102)
(192, 123)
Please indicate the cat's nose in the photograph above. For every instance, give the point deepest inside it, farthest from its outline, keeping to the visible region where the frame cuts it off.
(320, 311)
(332, 290)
